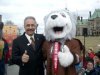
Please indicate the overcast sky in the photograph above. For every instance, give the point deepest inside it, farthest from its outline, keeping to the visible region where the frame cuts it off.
(17, 10)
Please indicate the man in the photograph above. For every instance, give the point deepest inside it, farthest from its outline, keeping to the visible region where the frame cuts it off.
(28, 53)
(3, 50)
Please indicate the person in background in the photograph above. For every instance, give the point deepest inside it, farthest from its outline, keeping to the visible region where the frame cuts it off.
(90, 70)
(3, 50)
(81, 71)
(97, 62)
(91, 54)
(27, 49)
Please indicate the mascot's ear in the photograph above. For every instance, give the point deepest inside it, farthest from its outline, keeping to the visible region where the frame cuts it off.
(73, 16)
(46, 17)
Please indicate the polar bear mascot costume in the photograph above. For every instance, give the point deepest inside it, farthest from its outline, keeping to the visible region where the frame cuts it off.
(61, 49)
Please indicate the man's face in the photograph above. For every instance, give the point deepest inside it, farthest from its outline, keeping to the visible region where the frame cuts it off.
(30, 26)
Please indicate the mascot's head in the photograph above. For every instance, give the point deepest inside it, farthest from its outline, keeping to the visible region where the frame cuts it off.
(60, 25)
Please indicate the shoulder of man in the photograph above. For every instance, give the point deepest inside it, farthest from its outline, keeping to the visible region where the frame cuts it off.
(40, 35)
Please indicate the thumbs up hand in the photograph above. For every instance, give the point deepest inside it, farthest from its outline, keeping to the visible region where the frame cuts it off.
(65, 57)
(25, 57)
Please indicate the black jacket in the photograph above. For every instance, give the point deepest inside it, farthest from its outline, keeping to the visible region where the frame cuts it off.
(92, 72)
(35, 64)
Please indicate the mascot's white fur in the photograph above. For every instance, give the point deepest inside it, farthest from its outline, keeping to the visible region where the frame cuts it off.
(61, 26)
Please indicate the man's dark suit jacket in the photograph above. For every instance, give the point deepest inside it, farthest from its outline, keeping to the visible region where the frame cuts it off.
(35, 64)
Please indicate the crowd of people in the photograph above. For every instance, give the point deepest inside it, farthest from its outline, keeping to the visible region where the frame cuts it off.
(28, 53)
(92, 64)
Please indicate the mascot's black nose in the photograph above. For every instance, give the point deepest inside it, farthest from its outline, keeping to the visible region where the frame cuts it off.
(54, 16)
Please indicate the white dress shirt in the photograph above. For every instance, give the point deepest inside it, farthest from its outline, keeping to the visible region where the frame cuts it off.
(28, 37)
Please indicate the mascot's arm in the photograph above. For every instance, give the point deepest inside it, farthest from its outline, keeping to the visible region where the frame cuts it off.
(44, 50)
(77, 47)
(66, 58)
(71, 53)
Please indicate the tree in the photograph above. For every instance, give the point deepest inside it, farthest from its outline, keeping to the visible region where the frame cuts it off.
(9, 22)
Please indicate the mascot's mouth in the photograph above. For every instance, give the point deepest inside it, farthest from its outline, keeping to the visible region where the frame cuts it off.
(58, 30)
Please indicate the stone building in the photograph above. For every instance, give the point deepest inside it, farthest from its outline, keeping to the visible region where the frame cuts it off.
(90, 26)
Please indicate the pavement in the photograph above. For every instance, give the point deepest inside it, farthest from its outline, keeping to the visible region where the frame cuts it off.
(12, 70)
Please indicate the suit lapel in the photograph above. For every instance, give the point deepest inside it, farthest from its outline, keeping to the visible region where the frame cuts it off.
(26, 43)
(25, 39)
(36, 41)
(29, 46)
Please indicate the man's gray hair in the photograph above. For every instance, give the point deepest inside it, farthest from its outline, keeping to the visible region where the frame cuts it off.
(29, 17)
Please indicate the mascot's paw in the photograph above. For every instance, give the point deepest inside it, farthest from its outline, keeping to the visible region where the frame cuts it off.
(65, 58)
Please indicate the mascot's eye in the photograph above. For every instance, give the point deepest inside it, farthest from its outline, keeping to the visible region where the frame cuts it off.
(63, 15)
